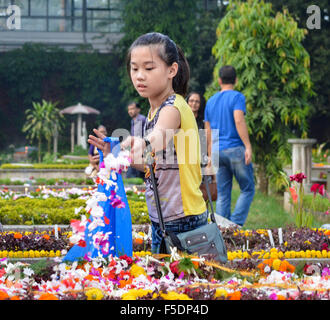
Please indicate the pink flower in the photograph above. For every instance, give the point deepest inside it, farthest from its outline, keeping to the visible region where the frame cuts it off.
(273, 296)
(314, 188)
(299, 177)
(322, 190)
(318, 188)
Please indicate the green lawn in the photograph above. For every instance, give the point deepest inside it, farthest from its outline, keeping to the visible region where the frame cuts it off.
(267, 211)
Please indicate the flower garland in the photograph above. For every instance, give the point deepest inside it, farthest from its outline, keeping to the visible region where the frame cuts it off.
(107, 176)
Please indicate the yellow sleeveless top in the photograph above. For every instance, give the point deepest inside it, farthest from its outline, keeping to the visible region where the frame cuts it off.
(178, 171)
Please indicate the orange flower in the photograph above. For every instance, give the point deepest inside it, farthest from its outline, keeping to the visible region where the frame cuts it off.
(48, 296)
(283, 266)
(46, 236)
(15, 298)
(269, 262)
(138, 241)
(280, 297)
(3, 295)
(18, 235)
(235, 295)
(291, 268)
(294, 195)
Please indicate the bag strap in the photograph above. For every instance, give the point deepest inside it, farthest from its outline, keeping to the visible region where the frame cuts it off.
(156, 195)
(208, 179)
(175, 240)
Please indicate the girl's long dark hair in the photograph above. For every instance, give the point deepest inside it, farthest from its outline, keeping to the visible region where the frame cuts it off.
(169, 52)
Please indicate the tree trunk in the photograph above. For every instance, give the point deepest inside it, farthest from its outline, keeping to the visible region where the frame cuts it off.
(262, 179)
(39, 149)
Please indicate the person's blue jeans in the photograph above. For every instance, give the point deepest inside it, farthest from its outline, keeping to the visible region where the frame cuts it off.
(232, 163)
(177, 226)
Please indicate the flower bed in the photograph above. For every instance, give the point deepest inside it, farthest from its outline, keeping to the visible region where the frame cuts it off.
(50, 206)
(162, 277)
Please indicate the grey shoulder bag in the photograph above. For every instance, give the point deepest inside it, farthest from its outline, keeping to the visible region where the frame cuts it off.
(205, 241)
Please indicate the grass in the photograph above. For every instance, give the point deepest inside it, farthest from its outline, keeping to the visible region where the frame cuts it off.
(267, 211)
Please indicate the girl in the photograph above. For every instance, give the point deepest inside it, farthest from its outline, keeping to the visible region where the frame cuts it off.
(160, 73)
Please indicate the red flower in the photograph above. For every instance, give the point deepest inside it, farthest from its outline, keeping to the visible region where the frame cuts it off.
(318, 188)
(174, 267)
(324, 246)
(82, 243)
(299, 177)
(322, 190)
(129, 260)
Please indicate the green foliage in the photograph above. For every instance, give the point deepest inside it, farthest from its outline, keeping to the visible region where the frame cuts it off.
(44, 166)
(38, 72)
(273, 74)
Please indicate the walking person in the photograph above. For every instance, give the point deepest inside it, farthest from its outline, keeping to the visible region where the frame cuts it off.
(160, 72)
(229, 147)
(137, 124)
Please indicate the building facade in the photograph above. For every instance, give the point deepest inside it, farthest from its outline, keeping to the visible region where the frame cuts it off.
(65, 23)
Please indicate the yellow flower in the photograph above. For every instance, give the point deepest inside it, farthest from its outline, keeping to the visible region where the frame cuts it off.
(287, 255)
(246, 255)
(280, 254)
(94, 294)
(172, 295)
(276, 264)
(266, 255)
(133, 294)
(274, 255)
(318, 254)
(307, 242)
(136, 271)
(220, 293)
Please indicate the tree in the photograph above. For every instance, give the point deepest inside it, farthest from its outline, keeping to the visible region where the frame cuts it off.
(35, 124)
(41, 121)
(317, 43)
(54, 121)
(273, 74)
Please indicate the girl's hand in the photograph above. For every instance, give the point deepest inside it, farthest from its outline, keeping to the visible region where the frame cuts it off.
(136, 145)
(99, 143)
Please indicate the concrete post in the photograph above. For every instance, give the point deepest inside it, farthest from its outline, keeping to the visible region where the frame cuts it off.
(302, 159)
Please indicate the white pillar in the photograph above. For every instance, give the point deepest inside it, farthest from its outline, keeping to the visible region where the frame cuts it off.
(79, 129)
(302, 159)
(72, 136)
(55, 142)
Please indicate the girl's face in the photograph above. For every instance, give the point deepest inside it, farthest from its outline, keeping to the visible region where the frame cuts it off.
(194, 102)
(150, 75)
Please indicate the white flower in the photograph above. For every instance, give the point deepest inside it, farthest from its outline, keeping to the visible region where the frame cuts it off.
(28, 272)
(97, 222)
(97, 212)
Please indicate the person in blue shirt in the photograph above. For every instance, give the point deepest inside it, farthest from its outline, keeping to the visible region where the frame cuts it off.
(229, 147)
